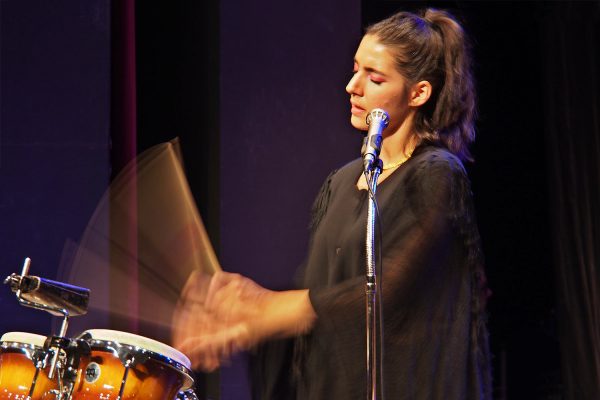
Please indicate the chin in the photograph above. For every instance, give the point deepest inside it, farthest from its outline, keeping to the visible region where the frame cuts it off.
(359, 123)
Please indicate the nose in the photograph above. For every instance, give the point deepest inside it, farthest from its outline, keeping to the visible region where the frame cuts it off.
(354, 86)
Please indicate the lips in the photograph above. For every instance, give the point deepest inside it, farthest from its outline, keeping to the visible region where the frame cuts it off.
(356, 109)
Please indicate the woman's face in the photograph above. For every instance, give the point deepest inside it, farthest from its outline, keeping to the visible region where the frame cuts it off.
(376, 83)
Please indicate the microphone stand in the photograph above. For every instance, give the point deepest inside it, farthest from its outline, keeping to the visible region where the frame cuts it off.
(371, 285)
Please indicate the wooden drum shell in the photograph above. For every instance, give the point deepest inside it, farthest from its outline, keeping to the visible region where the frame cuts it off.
(17, 370)
(151, 376)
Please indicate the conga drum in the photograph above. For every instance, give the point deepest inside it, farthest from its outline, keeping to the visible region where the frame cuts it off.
(132, 367)
(24, 367)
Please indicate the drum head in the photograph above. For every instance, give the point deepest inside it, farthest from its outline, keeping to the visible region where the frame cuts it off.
(23, 337)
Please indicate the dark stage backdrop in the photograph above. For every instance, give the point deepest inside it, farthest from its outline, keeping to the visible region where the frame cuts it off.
(284, 127)
(256, 93)
(572, 105)
(54, 136)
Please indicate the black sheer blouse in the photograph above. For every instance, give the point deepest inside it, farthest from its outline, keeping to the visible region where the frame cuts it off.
(433, 286)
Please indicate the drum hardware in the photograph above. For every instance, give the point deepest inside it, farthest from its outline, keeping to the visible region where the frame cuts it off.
(127, 365)
(38, 358)
(70, 354)
(129, 361)
(62, 365)
(187, 395)
(39, 368)
(57, 298)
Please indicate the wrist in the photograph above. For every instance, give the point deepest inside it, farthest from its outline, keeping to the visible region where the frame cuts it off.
(287, 313)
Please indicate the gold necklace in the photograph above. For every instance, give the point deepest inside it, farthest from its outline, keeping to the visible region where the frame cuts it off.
(395, 165)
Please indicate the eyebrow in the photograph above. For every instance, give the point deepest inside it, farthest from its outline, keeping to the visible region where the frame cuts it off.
(371, 69)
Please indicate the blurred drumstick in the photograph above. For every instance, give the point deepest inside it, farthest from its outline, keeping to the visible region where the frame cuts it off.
(171, 243)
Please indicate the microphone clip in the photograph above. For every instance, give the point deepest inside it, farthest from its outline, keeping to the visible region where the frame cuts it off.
(377, 120)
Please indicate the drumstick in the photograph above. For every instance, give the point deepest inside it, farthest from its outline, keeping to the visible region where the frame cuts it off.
(142, 243)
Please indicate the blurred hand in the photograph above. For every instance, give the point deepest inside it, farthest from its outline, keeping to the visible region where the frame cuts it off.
(211, 318)
(221, 315)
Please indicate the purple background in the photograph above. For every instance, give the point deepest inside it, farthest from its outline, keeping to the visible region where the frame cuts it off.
(284, 127)
(54, 135)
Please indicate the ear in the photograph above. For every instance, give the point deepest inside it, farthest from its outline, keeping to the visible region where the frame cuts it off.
(419, 94)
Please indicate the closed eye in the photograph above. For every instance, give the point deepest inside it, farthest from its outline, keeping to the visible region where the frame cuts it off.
(376, 79)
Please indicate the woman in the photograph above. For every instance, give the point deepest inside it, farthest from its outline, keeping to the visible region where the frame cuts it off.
(417, 68)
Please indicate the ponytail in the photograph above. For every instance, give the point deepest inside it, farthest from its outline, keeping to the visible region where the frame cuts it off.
(432, 46)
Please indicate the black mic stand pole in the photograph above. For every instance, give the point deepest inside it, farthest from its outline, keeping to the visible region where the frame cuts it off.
(371, 287)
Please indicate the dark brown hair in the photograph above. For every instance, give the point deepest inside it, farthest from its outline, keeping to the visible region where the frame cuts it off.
(432, 46)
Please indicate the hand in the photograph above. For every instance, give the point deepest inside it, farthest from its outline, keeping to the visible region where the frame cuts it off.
(219, 316)
(210, 322)
(191, 319)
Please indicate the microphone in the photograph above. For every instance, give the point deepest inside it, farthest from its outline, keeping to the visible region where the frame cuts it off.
(377, 120)
(55, 295)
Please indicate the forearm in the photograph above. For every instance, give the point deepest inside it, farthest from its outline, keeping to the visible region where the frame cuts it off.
(238, 314)
(285, 314)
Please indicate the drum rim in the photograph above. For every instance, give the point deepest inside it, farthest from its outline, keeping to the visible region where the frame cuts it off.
(26, 349)
(136, 340)
(32, 352)
(102, 344)
(13, 342)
